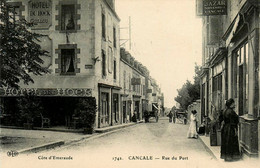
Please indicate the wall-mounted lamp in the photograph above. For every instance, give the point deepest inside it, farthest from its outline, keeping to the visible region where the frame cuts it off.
(95, 60)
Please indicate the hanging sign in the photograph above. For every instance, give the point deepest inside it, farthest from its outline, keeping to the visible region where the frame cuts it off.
(40, 13)
(214, 7)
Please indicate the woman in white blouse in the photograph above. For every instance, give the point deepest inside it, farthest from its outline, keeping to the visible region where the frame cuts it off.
(192, 133)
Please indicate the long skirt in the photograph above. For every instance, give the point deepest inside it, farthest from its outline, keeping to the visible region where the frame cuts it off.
(192, 133)
(229, 143)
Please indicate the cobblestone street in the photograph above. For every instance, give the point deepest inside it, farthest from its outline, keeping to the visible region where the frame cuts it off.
(148, 144)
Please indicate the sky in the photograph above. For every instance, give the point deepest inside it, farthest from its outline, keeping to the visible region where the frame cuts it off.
(166, 37)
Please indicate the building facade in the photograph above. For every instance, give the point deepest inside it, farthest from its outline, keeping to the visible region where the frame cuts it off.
(230, 67)
(84, 62)
(83, 46)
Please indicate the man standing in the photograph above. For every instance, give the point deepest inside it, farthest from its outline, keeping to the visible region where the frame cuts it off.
(170, 116)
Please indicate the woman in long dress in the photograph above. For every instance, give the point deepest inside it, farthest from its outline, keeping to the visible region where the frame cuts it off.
(229, 138)
(192, 133)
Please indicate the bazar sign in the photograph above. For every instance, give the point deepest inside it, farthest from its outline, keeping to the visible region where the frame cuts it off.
(40, 13)
(214, 7)
(46, 92)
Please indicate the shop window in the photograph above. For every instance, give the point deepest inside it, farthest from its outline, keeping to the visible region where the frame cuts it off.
(240, 73)
(67, 61)
(217, 91)
(104, 118)
(103, 26)
(103, 63)
(68, 17)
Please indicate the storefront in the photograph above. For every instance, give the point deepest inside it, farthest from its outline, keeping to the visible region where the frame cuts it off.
(242, 41)
(57, 104)
(109, 103)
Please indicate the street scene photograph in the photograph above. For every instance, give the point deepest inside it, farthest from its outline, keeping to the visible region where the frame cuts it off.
(130, 83)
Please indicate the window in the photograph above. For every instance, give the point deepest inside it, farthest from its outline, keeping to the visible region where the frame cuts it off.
(104, 118)
(115, 69)
(217, 91)
(124, 79)
(110, 59)
(114, 36)
(103, 63)
(68, 61)
(14, 13)
(129, 82)
(103, 26)
(68, 17)
(240, 73)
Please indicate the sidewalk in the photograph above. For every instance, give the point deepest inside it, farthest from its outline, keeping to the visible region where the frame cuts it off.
(26, 141)
(215, 152)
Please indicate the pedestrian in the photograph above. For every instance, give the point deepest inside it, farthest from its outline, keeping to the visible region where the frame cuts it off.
(174, 116)
(192, 133)
(156, 113)
(134, 118)
(229, 150)
(170, 116)
(201, 129)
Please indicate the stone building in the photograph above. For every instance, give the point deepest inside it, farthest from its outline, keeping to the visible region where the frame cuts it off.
(84, 62)
(83, 44)
(230, 65)
(139, 91)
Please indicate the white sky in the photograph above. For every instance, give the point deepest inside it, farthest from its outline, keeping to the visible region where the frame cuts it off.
(166, 38)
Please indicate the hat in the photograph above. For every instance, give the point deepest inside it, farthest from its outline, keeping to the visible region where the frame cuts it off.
(229, 102)
(193, 111)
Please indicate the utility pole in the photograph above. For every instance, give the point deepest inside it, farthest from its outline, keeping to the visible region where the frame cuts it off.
(130, 33)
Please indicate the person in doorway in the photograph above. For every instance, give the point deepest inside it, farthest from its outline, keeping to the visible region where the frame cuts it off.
(229, 150)
(192, 133)
(170, 116)
(134, 118)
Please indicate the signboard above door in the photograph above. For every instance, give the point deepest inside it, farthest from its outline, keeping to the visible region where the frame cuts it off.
(211, 7)
(40, 13)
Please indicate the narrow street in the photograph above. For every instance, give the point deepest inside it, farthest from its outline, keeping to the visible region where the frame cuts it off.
(147, 144)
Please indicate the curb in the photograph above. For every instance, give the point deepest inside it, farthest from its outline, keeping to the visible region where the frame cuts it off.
(111, 129)
(208, 149)
(100, 130)
(63, 143)
(42, 147)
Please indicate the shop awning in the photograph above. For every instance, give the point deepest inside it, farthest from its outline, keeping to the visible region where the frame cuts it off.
(231, 30)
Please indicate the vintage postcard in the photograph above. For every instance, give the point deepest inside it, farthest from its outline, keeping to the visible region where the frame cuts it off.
(129, 83)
